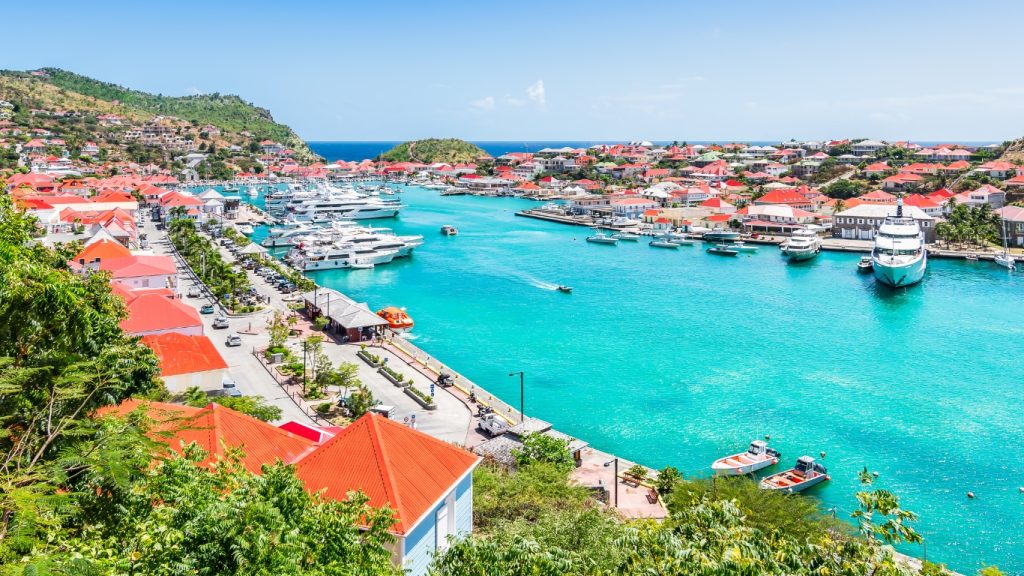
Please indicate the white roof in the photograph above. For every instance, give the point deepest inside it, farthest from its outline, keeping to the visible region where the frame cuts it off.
(869, 143)
(883, 210)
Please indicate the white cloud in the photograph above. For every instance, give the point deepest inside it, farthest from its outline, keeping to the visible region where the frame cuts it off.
(514, 102)
(485, 104)
(535, 92)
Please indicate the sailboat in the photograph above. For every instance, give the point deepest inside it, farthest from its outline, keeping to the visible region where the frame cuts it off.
(1004, 259)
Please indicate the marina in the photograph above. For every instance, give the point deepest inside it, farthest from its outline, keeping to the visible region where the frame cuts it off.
(843, 395)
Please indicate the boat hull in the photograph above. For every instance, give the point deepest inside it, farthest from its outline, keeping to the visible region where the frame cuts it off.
(799, 255)
(796, 487)
(740, 465)
(901, 275)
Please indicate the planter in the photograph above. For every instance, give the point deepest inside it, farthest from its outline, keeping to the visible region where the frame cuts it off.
(392, 379)
(408, 392)
(365, 356)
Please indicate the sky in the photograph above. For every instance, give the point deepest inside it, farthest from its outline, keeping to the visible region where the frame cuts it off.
(565, 70)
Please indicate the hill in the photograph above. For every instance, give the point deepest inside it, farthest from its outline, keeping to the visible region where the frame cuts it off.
(450, 150)
(1014, 152)
(56, 89)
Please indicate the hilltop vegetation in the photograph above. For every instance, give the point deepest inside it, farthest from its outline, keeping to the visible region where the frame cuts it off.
(1014, 152)
(432, 150)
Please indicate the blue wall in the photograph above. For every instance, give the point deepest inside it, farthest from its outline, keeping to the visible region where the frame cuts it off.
(419, 545)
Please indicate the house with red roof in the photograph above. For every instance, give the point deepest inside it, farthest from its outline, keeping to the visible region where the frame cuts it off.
(985, 194)
(902, 181)
(134, 271)
(718, 205)
(785, 196)
(924, 203)
(997, 169)
(877, 197)
(153, 313)
(187, 360)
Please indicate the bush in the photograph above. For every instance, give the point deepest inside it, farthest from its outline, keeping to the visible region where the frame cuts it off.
(323, 408)
(637, 472)
(667, 480)
(421, 394)
(546, 449)
(396, 375)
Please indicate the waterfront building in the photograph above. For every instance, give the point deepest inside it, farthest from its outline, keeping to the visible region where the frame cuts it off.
(1014, 217)
(861, 222)
(785, 196)
(353, 321)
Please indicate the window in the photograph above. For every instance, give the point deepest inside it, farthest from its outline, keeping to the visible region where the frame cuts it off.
(441, 528)
(860, 220)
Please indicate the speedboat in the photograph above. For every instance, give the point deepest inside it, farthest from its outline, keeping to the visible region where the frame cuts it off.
(865, 264)
(805, 474)
(722, 250)
(602, 238)
(721, 235)
(565, 289)
(626, 237)
(971, 257)
(449, 230)
(757, 456)
(899, 258)
(743, 247)
(663, 244)
(244, 229)
(397, 319)
(804, 244)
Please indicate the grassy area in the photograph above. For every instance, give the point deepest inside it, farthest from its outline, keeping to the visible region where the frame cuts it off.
(431, 150)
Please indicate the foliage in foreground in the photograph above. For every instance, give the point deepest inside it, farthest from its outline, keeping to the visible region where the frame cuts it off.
(254, 406)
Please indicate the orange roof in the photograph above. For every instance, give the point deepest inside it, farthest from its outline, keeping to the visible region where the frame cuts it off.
(103, 249)
(392, 464)
(215, 427)
(153, 313)
(782, 196)
(181, 354)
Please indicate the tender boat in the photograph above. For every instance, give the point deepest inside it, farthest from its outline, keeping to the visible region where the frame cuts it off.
(805, 474)
(663, 244)
(626, 237)
(449, 230)
(757, 456)
(565, 289)
(397, 319)
(721, 235)
(865, 264)
(601, 238)
(899, 258)
(722, 250)
(743, 247)
(804, 244)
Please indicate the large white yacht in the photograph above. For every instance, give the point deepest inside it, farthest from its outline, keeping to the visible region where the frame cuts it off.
(804, 244)
(899, 258)
(343, 206)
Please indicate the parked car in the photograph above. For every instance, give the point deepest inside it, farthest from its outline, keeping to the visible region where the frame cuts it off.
(228, 383)
(493, 424)
(220, 322)
(233, 340)
(286, 288)
(194, 292)
(207, 309)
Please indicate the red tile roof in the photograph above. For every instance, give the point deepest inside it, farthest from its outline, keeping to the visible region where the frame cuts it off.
(104, 250)
(392, 464)
(782, 196)
(153, 313)
(181, 354)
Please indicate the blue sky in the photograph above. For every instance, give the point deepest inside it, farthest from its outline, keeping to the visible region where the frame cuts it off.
(528, 70)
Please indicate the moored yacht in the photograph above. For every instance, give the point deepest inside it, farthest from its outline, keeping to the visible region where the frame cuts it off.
(721, 235)
(804, 244)
(899, 258)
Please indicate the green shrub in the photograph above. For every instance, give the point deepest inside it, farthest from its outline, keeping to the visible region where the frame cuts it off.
(396, 375)
(323, 408)
(421, 395)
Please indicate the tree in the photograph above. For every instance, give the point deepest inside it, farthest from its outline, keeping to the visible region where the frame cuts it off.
(255, 406)
(843, 189)
(543, 448)
(668, 478)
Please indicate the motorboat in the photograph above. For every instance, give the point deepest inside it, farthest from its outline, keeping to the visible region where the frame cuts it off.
(805, 474)
(244, 229)
(565, 289)
(398, 319)
(626, 237)
(743, 247)
(899, 258)
(663, 244)
(722, 250)
(449, 230)
(971, 257)
(720, 234)
(602, 238)
(864, 265)
(804, 244)
(757, 456)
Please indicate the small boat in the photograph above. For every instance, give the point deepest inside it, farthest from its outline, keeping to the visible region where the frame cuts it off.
(601, 238)
(720, 234)
(565, 289)
(682, 241)
(1006, 261)
(805, 474)
(971, 257)
(397, 319)
(449, 230)
(244, 229)
(865, 264)
(743, 247)
(757, 456)
(722, 250)
(663, 244)
(626, 237)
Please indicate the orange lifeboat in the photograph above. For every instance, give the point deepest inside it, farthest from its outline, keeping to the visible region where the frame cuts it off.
(397, 319)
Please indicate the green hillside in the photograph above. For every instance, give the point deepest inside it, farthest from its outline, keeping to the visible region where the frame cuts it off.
(435, 150)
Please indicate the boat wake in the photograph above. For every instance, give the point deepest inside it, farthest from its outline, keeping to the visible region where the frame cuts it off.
(540, 283)
(410, 336)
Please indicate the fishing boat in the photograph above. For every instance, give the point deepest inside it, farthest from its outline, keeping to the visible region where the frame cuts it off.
(720, 234)
(722, 250)
(865, 264)
(757, 456)
(803, 245)
(626, 237)
(449, 230)
(565, 289)
(1004, 259)
(602, 238)
(899, 258)
(397, 318)
(663, 244)
(743, 247)
(805, 474)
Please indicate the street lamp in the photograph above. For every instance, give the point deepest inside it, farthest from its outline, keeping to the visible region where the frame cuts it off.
(522, 411)
(615, 478)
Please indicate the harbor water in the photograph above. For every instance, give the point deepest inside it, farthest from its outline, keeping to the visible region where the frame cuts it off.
(677, 357)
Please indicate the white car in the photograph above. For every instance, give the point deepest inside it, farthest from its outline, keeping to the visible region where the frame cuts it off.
(193, 292)
(233, 340)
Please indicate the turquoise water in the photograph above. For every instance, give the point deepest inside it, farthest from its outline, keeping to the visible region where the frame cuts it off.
(678, 357)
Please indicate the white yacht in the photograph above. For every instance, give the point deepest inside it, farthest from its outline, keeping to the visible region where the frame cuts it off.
(286, 236)
(339, 256)
(804, 244)
(899, 258)
(343, 206)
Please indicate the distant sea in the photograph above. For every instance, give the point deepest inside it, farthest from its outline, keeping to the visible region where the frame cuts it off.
(359, 150)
